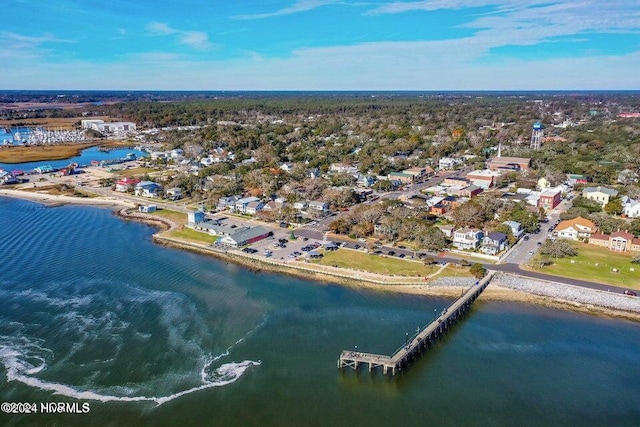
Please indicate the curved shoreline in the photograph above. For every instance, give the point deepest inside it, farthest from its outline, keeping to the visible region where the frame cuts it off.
(525, 290)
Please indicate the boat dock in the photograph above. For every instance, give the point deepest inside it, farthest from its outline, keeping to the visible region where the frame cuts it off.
(422, 340)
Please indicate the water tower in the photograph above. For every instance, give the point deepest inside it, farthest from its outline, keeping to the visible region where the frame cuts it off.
(537, 133)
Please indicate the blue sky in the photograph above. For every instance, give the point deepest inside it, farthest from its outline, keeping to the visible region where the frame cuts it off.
(320, 44)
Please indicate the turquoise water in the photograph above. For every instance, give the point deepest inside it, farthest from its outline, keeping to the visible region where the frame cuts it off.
(91, 311)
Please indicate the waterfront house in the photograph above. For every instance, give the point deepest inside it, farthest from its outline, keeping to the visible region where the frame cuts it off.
(576, 228)
(242, 204)
(227, 202)
(148, 189)
(174, 193)
(254, 207)
(126, 184)
(467, 238)
(494, 242)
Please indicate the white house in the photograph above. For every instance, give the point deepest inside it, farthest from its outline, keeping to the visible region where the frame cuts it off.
(516, 228)
(599, 194)
(447, 163)
(631, 208)
(242, 204)
(300, 205)
(174, 193)
(287, 167)
(147, 189)
(467, 238)
(254, 207)
(575, 228)
(318, 206)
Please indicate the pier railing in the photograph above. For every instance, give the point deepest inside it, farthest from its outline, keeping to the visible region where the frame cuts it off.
(420, 341)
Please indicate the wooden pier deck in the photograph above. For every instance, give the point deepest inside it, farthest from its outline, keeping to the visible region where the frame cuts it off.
(422, 340)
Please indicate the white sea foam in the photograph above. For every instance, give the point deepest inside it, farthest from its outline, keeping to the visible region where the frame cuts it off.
(93, 315)
(15, 361)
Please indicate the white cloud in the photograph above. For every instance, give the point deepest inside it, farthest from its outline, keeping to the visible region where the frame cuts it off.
(297, 7)
(440, 65)
(193, 39)
(528, 22)
(160, 28)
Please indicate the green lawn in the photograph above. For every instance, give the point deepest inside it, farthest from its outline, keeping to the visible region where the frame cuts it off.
(374, 263)
(584, 266)
(177, 217)
(193, 235)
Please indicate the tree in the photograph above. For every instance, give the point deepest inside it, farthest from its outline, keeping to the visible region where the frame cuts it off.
(428, 260)
(606, 223)
(469, 214)
(634, 227)
(559, 248)
(504, 228)
(590, 205)
(432, 239)
(614, 207)
(477, 270)
(340, 226)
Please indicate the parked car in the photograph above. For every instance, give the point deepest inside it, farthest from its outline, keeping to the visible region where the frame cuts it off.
(632, 293)
(391, 253)
(402, 255)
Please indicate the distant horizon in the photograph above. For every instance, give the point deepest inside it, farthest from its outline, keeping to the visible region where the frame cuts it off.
(321, 45)
(387, 91)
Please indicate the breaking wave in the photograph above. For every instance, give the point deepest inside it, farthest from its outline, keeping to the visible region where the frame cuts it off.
(119, 343)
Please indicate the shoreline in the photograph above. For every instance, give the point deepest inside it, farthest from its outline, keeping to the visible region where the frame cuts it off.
(59, 200)
(522, 289)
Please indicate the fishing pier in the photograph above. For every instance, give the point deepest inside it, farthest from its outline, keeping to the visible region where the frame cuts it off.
(420, 342)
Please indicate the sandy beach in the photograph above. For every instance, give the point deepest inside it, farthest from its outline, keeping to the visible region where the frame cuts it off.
(53, 200)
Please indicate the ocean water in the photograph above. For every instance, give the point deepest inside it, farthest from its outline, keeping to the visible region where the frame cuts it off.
(91, 311)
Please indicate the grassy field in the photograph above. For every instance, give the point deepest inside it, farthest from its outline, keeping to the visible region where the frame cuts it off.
(594, 264)
(192, 235)
(375, 264)
(135, 171)
(177, 217)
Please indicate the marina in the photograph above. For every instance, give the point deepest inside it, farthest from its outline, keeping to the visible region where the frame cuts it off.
(415, 346)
